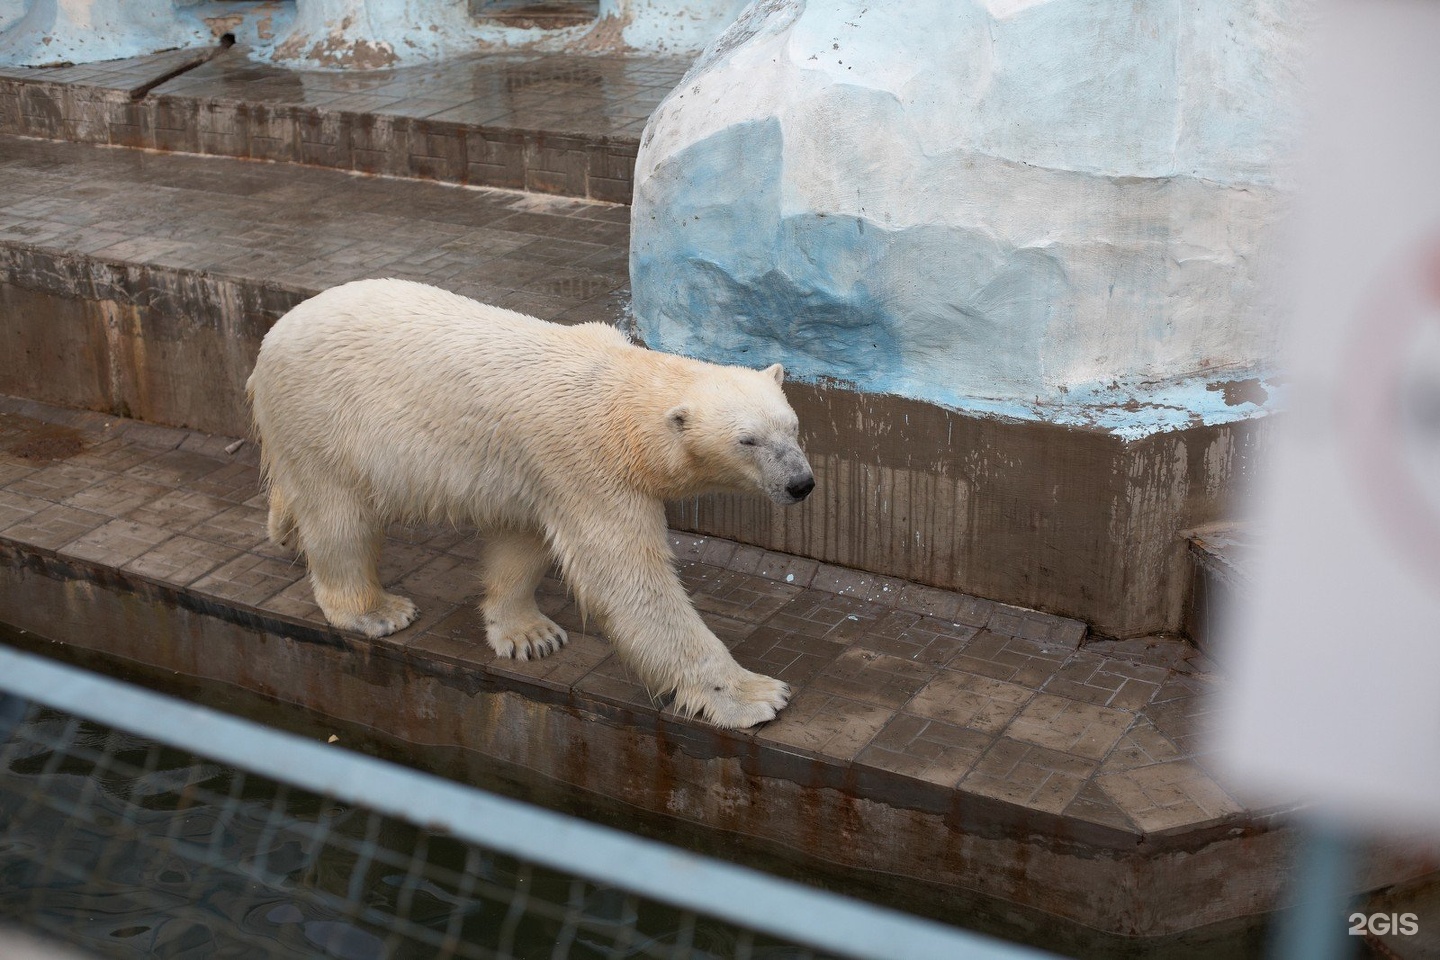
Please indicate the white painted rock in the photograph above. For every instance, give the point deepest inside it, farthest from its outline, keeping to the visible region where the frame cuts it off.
(37, 33)
(339, 34)
(1034, 208)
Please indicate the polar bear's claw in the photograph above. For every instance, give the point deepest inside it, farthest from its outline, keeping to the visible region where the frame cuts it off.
(528, 639)
(393, 613)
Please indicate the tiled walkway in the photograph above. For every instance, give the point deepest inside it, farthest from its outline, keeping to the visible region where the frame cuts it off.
(943, 690)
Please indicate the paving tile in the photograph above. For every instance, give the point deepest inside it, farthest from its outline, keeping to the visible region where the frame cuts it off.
(54, 526)
(12, 469)
(236, 525)
(114, 455)
(1093, 805)
(399, 560)
(831, 726)
(1183, 711)
(181, 560)
(296, 600)
(1102, 681)
(825, 616)
(929, 601)
(1164, 796)
(926, 749)
(728, 629)
(743, 596)
(846, 582)
(1011, 658)
(1029, 775)
(1140, 746)
(611, 680)
(1160, 654)
(16, 507)
(970, 700)
(174, 468)
(785, 655)
(153, 435)
(917, 638)
(1034, 625)
(250, 579)
(1069, 726)
(873, 678)
(116, 542)
(57, 481)
(446, 577)
(179, 510)
(708, 550)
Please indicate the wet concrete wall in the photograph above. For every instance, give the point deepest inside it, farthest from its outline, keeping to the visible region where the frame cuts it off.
(1106, 879)
(167, 346)
(1064, 519)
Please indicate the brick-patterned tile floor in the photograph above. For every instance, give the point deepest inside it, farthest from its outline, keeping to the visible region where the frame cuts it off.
(896, 679)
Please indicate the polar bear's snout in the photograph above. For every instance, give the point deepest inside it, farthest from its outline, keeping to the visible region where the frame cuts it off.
(791, 477)
(800, 487)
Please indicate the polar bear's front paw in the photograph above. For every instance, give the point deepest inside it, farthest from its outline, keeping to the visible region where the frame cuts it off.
(737, 701)
(393, 613)
(525, 638)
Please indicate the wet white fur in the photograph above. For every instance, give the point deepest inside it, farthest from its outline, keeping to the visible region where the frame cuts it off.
(387, 400)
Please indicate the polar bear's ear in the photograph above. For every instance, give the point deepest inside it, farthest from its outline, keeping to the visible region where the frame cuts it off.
(776, 371)
(678, 417)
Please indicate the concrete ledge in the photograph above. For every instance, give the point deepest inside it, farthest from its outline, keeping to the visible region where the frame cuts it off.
(1113, 881)
(555, 123)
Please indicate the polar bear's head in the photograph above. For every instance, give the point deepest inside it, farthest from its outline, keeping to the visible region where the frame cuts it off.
(739, 433)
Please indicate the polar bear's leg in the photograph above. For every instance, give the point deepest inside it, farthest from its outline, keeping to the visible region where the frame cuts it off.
(620, 566)
(515, 562)
(342, 546)
(280, 525)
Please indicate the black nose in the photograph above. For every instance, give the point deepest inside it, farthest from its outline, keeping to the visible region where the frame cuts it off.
(800, 489)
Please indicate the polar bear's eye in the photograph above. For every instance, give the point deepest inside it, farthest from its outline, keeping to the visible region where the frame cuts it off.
(747, 441)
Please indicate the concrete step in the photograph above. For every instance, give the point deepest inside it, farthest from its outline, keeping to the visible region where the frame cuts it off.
(948, 740)
(550, 123)
(142, 284)
(1220, 557)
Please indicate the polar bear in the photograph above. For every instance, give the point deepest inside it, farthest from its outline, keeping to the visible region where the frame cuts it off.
(385, 400)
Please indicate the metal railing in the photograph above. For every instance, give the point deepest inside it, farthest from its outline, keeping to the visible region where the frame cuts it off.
(239, 830)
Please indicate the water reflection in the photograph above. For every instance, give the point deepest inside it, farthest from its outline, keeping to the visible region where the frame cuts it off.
(131, 849)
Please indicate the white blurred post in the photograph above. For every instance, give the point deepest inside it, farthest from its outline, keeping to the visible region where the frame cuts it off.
(1336, 657)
